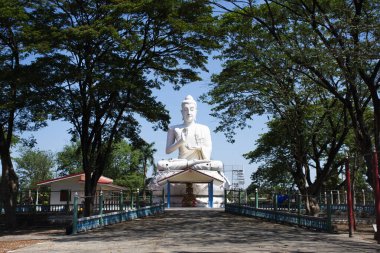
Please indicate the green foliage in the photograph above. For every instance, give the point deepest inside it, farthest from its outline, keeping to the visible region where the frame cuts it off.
(34, 166)
(21, 107)
(126, 165)
(277, 163)
(69, 160)
(132, 180)
(297, 61)
(124, 159)
(274, 178)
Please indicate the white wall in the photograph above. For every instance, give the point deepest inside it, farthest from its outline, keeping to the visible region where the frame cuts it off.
(73, 185)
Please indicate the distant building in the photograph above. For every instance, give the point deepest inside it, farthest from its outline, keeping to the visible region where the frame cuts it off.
(63, 188)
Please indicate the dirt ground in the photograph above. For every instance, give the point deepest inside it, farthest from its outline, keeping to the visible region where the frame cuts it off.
(29, 236)
(26, 236)
(6, 246)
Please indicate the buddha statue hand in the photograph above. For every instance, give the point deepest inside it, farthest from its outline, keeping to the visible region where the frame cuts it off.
(193, 147)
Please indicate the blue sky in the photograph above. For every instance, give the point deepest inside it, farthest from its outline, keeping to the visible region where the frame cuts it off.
(55, 136)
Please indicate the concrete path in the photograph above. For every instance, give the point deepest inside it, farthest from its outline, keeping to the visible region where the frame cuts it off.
(201, 230)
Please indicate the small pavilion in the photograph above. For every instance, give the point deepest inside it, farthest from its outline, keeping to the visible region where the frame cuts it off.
(192, 176)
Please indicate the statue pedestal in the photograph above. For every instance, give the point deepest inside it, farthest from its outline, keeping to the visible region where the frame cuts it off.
(207, 187)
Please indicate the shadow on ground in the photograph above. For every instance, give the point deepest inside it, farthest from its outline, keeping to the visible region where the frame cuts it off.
(179, 230)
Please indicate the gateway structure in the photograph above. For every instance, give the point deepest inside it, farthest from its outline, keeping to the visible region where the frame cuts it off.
(193, 179)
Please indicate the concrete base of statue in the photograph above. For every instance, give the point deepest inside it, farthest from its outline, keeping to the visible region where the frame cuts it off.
(173, 183)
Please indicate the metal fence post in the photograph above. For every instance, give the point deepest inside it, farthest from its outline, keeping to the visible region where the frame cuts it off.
(68, 201)
(121, 203)
(75, 214)
(346, 200)
(239, 200)
(329, 222)
(37, 196)
(275, 206)
(132, 200)
(137, 199)
(338, 197)
(299, 208)
(20, 201)
(363, 197)
(163, 196)
(256, 198)
(225, 198)
(101, 208)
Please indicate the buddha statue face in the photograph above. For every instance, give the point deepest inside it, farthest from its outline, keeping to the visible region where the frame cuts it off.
(189, 110)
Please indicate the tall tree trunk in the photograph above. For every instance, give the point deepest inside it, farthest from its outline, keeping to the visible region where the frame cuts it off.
(363, 139)
(9, 189)
(312, 205)
(376, 113)
(89, 193)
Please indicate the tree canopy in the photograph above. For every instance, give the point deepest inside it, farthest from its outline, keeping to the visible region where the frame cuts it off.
(33, 166)
(21, 108)
(310, 65)
(69, 160)
(104, 58)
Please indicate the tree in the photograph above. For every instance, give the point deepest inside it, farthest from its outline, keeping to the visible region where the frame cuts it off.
(261, 75)
(124, 159)
(317, 45)
(271, 179)
(301, 147)
(129, 165)
(132, 180)
(105, 59)
(69, 159)
(335, 44)
(20, 108)
(147, 151)
(33, 166)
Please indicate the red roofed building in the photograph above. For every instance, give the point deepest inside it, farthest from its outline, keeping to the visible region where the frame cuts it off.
(64, 188)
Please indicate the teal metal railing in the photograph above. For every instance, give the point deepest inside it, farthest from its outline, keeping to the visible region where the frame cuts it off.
(276, 209)
(111, 201)
(104, 219)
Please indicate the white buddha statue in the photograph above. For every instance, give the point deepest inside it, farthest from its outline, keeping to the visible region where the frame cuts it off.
(192, 140)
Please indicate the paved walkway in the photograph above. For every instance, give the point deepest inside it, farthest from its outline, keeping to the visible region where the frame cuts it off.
(201, 230)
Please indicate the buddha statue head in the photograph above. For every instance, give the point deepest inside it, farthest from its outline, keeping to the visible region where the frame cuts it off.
(189, 110)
